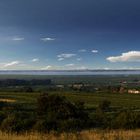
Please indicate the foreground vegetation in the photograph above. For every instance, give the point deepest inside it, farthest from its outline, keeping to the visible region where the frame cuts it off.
(84, 135)
(52, 112)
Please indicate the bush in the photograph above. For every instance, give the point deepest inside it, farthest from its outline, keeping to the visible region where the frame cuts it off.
(40, 126)
(2, 116)
(27, 89)
(57, 112)
(16, 123)
(10, 124)
(104, 105)
(126, 120)
(100, 119)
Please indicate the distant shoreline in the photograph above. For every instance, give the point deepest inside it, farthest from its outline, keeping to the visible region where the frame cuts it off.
(70, 72)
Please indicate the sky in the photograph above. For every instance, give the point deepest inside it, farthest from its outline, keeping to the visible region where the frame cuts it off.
(69, 34)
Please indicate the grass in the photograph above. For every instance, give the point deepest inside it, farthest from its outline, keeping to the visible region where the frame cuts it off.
(117, 100)
(120, 101)
(91, 99)
(84, 135)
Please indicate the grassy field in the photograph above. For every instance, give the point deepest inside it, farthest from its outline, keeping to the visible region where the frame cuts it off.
(84, 135)
(117, 100)
(90, 99)
(27, 102)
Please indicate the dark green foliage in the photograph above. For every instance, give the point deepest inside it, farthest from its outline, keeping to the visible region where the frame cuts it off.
(2, 104)
(40, 126)
(104, 105)
(2, 116)
(100, 119)
(126, 120)
(57, 113)
(27, 89)
(17, 122)
(22, 82)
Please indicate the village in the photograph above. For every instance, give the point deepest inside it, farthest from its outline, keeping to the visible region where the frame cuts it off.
(124, 87)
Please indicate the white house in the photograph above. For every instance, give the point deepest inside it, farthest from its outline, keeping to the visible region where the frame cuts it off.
(133, 91)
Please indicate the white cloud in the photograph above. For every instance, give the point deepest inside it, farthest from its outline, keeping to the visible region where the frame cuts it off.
(82, 50)
(35, 60)
(66, 55)
(17, 38)
(131, 56)
(81, 68)
(13, 63)
(60, 59)
(47, 39)
(46, 68)
(94, 51)
(70, 65)
(106, 68)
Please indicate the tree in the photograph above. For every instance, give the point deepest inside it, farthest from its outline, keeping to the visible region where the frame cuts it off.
(56, 112)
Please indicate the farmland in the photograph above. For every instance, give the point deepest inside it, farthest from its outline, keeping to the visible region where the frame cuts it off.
(69, 104)
(90, 99)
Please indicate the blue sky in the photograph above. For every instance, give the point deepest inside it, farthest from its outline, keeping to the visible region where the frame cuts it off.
(69, 34)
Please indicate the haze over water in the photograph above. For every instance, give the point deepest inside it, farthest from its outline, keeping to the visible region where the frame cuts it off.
(84, 72)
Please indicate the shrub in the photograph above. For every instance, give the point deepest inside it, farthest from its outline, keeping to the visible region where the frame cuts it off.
(57, 112)
(2, 116)
(27, 89)
(16, 123)
(40, 126)
(104, 105)
(126, 120)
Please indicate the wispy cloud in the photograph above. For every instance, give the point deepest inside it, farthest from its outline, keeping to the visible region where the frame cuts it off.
(70, 65)
(35, 60)
(13, 63)
(47, 39)
(81, 68)
(17, 38)
(94, 51)
(46, 67)
(66, 55)
(131, 56)
(82, 50)
(60, 59)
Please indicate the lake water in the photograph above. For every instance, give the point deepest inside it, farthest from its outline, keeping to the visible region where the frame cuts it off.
(84, 72)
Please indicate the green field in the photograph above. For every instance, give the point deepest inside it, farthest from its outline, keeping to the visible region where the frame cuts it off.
(90, 99)
(104, 105)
